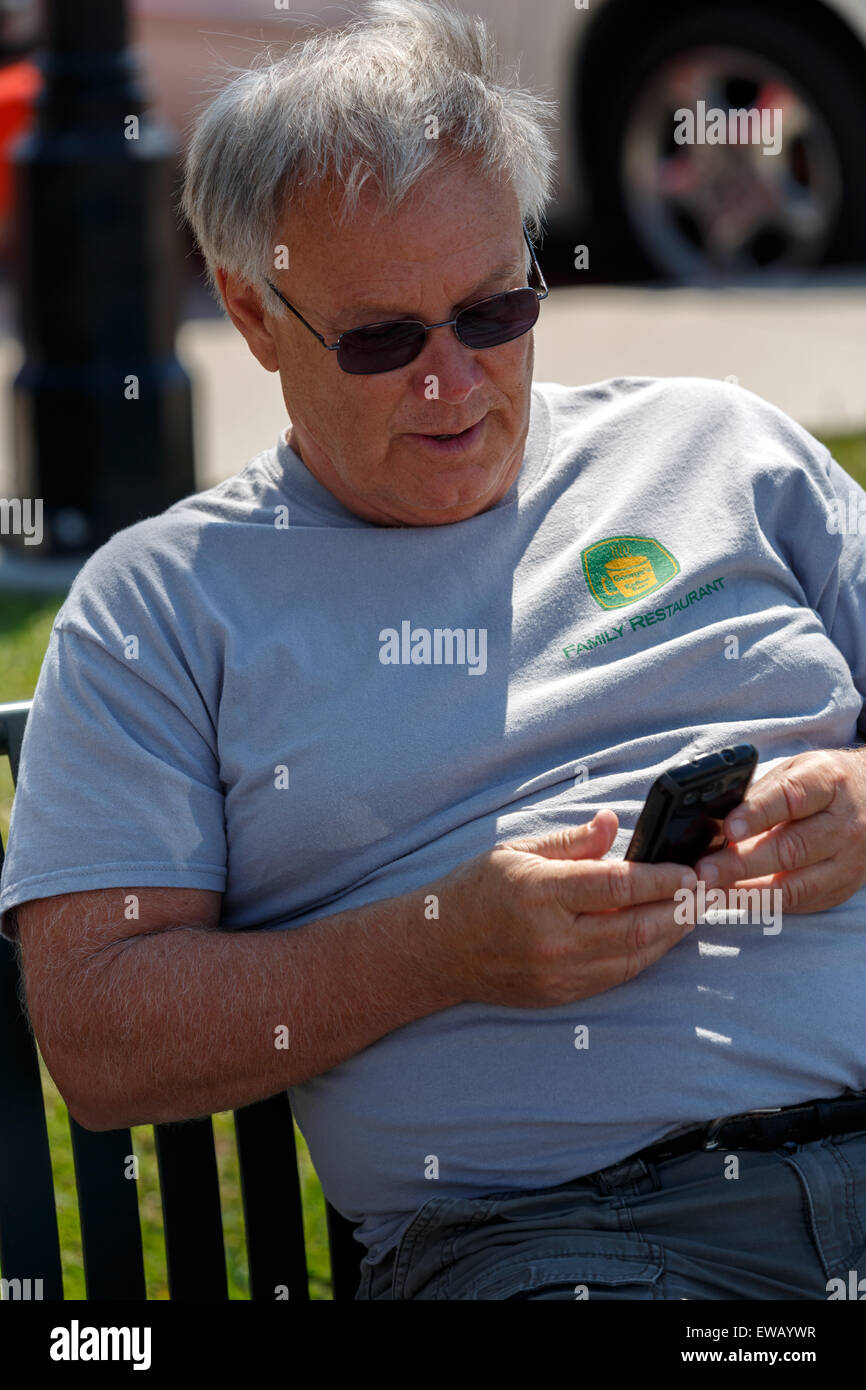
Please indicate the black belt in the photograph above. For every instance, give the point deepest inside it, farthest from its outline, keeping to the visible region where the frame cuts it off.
(767, 1129)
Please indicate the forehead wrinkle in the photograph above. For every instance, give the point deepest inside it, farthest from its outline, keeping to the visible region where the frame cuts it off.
(365, 306)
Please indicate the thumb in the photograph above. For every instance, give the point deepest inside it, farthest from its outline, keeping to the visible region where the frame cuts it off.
(588, 841)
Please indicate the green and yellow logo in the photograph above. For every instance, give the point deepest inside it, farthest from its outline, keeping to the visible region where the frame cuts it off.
(621, 569)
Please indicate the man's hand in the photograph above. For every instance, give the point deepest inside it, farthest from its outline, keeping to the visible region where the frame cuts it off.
(538, 922)
(801, 829)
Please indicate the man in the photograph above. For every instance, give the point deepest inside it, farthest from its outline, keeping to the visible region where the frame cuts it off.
(340, 748)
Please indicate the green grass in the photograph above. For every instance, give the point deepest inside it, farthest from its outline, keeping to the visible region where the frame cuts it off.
(25, 625)
(850, 451)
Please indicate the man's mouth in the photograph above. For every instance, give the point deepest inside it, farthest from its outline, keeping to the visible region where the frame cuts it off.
(453, 443)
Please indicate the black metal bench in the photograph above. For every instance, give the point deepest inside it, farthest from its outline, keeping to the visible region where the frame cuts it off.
(189, 1188)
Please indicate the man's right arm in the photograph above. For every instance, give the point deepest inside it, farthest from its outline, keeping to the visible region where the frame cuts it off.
(165, 1017)
(168, 1018)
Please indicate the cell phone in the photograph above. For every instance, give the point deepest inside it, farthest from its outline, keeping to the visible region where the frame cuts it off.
(683, 814)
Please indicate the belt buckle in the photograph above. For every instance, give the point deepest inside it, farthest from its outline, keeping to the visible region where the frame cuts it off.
(711, 1140)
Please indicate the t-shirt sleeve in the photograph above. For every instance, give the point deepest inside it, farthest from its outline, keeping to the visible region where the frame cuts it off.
(842, 606)
(820, 522)
(118, 781)
(814, 514)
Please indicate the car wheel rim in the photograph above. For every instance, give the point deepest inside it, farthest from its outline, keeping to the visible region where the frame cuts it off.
(722, 211)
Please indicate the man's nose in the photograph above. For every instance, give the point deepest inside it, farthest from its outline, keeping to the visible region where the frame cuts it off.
(447, 369)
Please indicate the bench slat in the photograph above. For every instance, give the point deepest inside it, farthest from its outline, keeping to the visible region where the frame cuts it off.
(13, 719)
(271, 1195)
(29, 1239)
(192, 1217)
(108, 1207)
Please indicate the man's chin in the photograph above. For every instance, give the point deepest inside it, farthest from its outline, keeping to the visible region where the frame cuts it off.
(433, 489)
(452, 500)
(444, 487)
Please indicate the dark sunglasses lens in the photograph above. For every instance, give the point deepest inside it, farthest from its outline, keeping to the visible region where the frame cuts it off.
(499, 319)
(381, 348)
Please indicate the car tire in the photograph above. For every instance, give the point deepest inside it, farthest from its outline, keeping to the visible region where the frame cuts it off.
(812, 60)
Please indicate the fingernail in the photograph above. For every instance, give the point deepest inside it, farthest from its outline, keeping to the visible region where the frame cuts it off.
(710, 875)
(689, 879)
(738, 828)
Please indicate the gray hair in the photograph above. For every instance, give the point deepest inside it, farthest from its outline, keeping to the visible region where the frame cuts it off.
(356, 104)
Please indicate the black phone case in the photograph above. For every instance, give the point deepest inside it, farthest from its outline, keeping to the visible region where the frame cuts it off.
(681, 820)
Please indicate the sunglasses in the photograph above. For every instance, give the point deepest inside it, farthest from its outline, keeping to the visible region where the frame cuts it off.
(385, 347)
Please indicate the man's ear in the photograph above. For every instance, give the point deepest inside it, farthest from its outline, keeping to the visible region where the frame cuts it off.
(244, 307)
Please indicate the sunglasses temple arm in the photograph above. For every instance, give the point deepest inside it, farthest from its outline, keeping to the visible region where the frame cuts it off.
(332, 347)
(535, 266)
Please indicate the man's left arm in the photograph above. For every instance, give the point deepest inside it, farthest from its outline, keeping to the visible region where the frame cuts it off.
(802, 827)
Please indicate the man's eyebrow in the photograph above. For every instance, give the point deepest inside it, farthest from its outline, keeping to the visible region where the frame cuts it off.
(508, 270)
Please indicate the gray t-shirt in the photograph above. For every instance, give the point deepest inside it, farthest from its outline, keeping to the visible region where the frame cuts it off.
(260, 693)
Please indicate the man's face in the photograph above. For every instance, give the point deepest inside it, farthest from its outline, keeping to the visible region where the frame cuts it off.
(457, 240)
